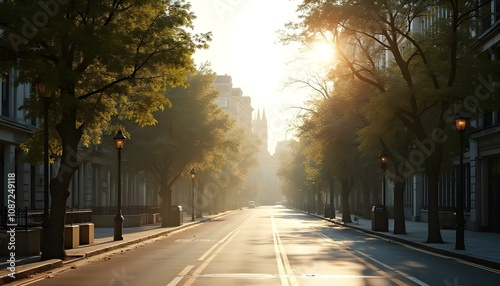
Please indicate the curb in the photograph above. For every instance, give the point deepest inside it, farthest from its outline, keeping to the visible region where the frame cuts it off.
(25, 273)
(56, 263)
(422, 246)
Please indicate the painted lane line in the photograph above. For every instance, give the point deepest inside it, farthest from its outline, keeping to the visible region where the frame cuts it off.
(419, 282)
(350, 251)
(175, 281)
(204, 256)
(279, 262)
(222, 243)
(186, 270)
(181, 275)
(284, 266)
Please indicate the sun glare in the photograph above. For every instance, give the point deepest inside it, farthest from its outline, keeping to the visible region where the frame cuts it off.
(323, 51)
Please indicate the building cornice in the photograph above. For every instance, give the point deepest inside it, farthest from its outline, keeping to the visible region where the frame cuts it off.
(484, 39)
(485, 131)
(20, 132)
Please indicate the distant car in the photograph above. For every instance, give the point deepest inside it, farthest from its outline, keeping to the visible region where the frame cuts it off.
(251, 204)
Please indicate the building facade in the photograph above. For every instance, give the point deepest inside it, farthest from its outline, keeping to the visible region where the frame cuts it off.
(93, 184)
(482, 152)
(261, 185)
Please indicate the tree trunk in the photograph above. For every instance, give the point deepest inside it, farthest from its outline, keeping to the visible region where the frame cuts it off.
(399, 213)
(345, 192)
(199, 199)
(59, 195)
(432, 171)
(332, 197)
(166, 203)
(399, 181)
(59, 186)
(367, 189)
(367, 205)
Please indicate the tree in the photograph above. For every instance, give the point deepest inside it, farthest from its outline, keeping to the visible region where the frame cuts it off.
(239, 165)
(293, 175)
(434, 65)
(334, 131)
(192, 133)
(101, 61)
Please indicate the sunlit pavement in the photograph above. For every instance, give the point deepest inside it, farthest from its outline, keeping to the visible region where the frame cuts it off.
(103, 242)
(480, 247)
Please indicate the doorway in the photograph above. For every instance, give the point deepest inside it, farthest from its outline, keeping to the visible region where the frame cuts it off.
(494, 194)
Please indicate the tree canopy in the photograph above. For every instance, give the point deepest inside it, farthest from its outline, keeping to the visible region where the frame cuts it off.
(101, 62)
(193, 133)
(420, 61)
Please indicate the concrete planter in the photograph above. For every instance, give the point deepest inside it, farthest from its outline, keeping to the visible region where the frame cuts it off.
(86, 233)
(27, 242)
(71, 236)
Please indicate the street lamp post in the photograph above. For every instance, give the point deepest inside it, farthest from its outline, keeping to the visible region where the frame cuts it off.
(193, 176)
(118, 230)
(460, 124)
(383, 162)
(46, 225)
(380, 219)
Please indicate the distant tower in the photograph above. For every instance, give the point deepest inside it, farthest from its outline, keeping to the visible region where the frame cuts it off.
(260, 128)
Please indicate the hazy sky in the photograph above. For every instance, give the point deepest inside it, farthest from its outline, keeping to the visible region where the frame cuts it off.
(245, 46)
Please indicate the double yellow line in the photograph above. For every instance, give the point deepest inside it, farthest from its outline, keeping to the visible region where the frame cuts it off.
(208, 256)
(285, 271)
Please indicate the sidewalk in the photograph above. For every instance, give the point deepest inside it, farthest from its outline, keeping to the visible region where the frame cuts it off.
(103, 242)
(482, 248)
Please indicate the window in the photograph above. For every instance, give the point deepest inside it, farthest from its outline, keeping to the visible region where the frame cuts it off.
(32, 119)
(223, 102)
(497, 10)
(488, 119)
(5, 94)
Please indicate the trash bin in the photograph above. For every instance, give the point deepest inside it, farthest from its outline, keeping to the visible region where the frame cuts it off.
(380, 220)
(176, 217)
(327, 211)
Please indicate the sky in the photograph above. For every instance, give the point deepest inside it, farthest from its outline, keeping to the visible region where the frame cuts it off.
(245, 46)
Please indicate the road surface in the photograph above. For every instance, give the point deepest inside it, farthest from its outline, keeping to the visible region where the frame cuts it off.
(269, 246)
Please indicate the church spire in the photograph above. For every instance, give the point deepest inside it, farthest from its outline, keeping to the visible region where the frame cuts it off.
(260, 127)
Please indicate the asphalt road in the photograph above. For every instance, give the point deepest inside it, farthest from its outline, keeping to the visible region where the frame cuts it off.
(269, 246)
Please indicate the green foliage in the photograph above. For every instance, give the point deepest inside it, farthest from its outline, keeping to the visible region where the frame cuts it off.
(101, 61)
(193, 132)
(292, 170)
(241, 161)
(426, 69)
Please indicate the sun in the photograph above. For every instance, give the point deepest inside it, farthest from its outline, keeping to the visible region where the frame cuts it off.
(320, 54)
(323, 51)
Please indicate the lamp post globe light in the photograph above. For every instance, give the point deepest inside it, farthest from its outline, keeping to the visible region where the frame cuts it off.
(193, 176)
(118, 226)
(460, 125)
(46, 225)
